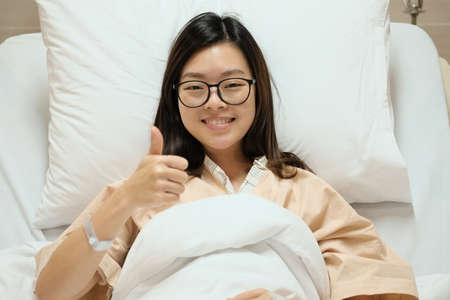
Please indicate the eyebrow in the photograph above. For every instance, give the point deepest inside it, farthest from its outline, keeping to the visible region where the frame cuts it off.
(202, 76)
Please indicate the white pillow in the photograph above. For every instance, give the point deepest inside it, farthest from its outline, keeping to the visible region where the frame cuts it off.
(106, 61)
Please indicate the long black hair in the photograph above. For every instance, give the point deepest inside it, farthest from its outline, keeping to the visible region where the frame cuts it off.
(200, 32)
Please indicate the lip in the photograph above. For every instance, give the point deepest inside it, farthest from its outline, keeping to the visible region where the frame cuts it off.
(218, 126)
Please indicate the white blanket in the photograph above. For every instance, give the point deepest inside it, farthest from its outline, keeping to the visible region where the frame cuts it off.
(17, 267)
(218, 247)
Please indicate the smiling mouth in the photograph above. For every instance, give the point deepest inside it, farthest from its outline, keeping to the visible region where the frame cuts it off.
(218, 122)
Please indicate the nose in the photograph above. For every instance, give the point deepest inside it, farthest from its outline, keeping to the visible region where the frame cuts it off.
(214, 102)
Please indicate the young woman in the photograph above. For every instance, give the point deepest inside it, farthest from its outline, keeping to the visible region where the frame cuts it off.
(214, 134)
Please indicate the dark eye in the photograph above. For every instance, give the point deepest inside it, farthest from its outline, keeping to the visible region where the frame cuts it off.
(193, 87)
(232, 85)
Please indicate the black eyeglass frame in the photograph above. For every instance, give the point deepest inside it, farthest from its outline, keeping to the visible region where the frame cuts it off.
(249, 81)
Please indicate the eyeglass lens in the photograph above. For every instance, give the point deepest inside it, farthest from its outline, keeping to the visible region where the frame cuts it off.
(232, 91)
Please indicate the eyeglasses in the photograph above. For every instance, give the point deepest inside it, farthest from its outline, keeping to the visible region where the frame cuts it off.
(232, 91)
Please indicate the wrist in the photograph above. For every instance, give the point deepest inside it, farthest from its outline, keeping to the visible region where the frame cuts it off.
(96, 244)
(121, 198)
(114, 211)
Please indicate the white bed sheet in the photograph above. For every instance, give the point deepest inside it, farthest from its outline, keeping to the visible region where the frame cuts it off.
(419, 232)
(24, 119)
(23, 98)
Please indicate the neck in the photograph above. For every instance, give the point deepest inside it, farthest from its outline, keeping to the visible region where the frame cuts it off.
(232, 162)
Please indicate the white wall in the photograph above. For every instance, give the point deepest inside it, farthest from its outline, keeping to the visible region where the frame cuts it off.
(435, 21)
(18, 16)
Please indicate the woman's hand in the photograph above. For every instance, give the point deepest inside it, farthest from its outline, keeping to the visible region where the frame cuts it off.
(159, 179)
(256, 294)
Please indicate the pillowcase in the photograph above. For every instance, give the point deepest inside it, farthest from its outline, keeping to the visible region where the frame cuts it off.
(106, 62)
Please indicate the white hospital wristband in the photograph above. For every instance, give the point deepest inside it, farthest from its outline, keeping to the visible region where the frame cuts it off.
(93, 239)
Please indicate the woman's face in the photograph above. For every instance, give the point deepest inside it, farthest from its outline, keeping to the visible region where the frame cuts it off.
(217, 125)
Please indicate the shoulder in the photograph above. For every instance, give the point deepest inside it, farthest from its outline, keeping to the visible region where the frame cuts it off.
(302, 179)
(302, 174)
(320, 205)
(316, 187)
(305, 191)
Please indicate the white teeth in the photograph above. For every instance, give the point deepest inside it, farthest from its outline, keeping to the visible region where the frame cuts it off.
(218, 122)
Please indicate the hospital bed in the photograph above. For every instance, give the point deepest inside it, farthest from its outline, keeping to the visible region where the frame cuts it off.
(418, 232)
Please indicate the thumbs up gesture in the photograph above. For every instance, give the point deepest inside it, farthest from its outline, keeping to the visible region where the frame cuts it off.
(156, 142)
(159, 179)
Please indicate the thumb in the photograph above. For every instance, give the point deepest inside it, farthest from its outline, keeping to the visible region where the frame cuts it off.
(156, 142)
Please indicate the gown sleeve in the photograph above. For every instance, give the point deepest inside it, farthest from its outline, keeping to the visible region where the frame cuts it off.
(111, 264)
(358, 261)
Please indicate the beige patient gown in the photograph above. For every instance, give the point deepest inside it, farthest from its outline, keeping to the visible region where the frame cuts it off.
(358, 261)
